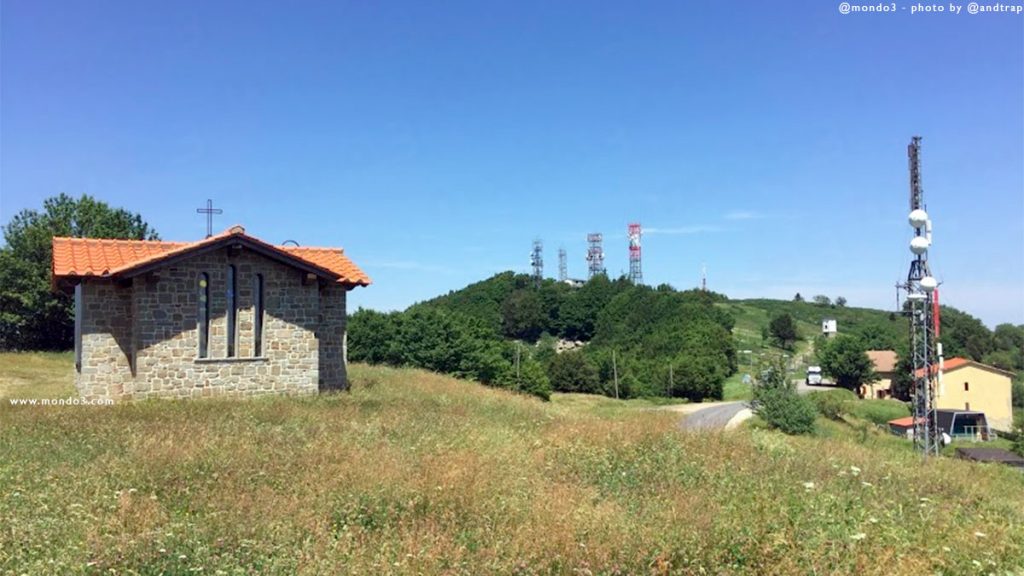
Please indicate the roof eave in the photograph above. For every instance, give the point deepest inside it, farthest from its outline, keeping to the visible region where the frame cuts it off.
(235, 239)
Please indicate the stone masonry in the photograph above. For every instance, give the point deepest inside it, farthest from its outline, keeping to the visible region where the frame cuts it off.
(140, 336)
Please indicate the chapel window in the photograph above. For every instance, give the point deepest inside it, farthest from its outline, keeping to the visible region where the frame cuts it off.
(232, 310)
(257, 319)
(204, 314)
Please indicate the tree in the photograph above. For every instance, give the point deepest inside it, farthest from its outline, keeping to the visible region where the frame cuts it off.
(822, 300)
(32, 316)
(530, 379)
(522, 315)
(1018, 442)
(902, 379)
(372, 337)
(777, 402)
(573, 372)
(798, 298)
(964, 335)
(783, 330)
(841, 301)
(845, 359)
(698, 377)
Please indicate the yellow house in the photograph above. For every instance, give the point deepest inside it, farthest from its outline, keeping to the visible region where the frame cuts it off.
(885, 367)
(970, 385)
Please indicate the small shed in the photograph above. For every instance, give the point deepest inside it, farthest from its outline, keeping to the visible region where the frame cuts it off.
(963, 424)
(902, 426)
(829, 327)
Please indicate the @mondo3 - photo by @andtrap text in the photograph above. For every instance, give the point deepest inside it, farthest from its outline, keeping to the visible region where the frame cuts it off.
(970, 8)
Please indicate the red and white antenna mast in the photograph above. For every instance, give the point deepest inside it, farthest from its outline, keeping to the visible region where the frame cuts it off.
(636, 275)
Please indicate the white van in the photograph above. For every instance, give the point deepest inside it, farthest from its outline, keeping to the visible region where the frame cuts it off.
(814, 375)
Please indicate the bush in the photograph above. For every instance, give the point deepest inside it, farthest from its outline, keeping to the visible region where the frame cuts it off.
(832, 404)
(1018, 442)
(777, 402)
(531, 379)
(573, 372)
(879, 411)
(785, 410)
(1017, 393)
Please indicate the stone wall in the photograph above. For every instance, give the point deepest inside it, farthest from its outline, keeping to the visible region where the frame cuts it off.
(331, 335)
(303, 332)
(106, 370)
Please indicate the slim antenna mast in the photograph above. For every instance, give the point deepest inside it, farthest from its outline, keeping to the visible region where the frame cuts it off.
(563, 266)
(921, 296)
(595, 255)
(636, 275)
(537, 261)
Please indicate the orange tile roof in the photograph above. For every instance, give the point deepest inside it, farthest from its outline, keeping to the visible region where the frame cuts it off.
(96, 257)
(906, 421)
(81, 257)
(884, 360)
(947, 365)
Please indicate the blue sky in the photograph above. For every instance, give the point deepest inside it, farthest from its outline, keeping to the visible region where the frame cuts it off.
(435, 141)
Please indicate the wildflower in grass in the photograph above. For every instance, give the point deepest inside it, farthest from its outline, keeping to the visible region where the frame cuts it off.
(873, 520)
(866, 484)
(947, 549)
(980, 534)
(854, 470)
(808, 485)
(858, 536)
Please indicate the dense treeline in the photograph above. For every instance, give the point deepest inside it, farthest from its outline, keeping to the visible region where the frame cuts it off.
(640, 341)
(32, 315)
(965, 336)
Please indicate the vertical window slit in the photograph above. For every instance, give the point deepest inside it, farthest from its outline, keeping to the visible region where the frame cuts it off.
(257, 319)
(232, 310)
(204, 315)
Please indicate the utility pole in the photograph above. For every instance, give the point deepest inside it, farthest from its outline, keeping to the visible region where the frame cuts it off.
(518, 346)
(671, 383)
(615, 372)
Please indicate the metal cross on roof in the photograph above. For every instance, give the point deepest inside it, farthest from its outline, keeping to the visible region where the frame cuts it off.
(209, 211)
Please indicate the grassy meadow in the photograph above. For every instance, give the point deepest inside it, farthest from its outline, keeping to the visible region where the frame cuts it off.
(415, 473)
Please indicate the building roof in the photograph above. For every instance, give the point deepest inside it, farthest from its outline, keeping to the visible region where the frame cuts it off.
(997, 455)
(884, 360)
(905, 422)
(957, 363)
(91, 257)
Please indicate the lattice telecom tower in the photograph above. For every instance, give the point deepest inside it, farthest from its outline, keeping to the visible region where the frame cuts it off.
(922, 296)
(703, 278)
(595, 255)
(563, 266)
(537, 261)
(636, 275)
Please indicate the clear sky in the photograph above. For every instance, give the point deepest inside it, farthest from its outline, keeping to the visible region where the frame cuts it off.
(435, 140)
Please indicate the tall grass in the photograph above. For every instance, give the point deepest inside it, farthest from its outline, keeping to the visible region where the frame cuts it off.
(417, 473)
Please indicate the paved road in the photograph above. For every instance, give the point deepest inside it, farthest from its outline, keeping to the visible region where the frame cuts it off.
(714, 416)
(803, 388)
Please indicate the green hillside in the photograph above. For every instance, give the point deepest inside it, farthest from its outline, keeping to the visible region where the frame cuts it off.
(632, 341)
(416, 473)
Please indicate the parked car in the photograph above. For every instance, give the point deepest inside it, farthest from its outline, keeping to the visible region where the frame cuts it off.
(814, 375)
